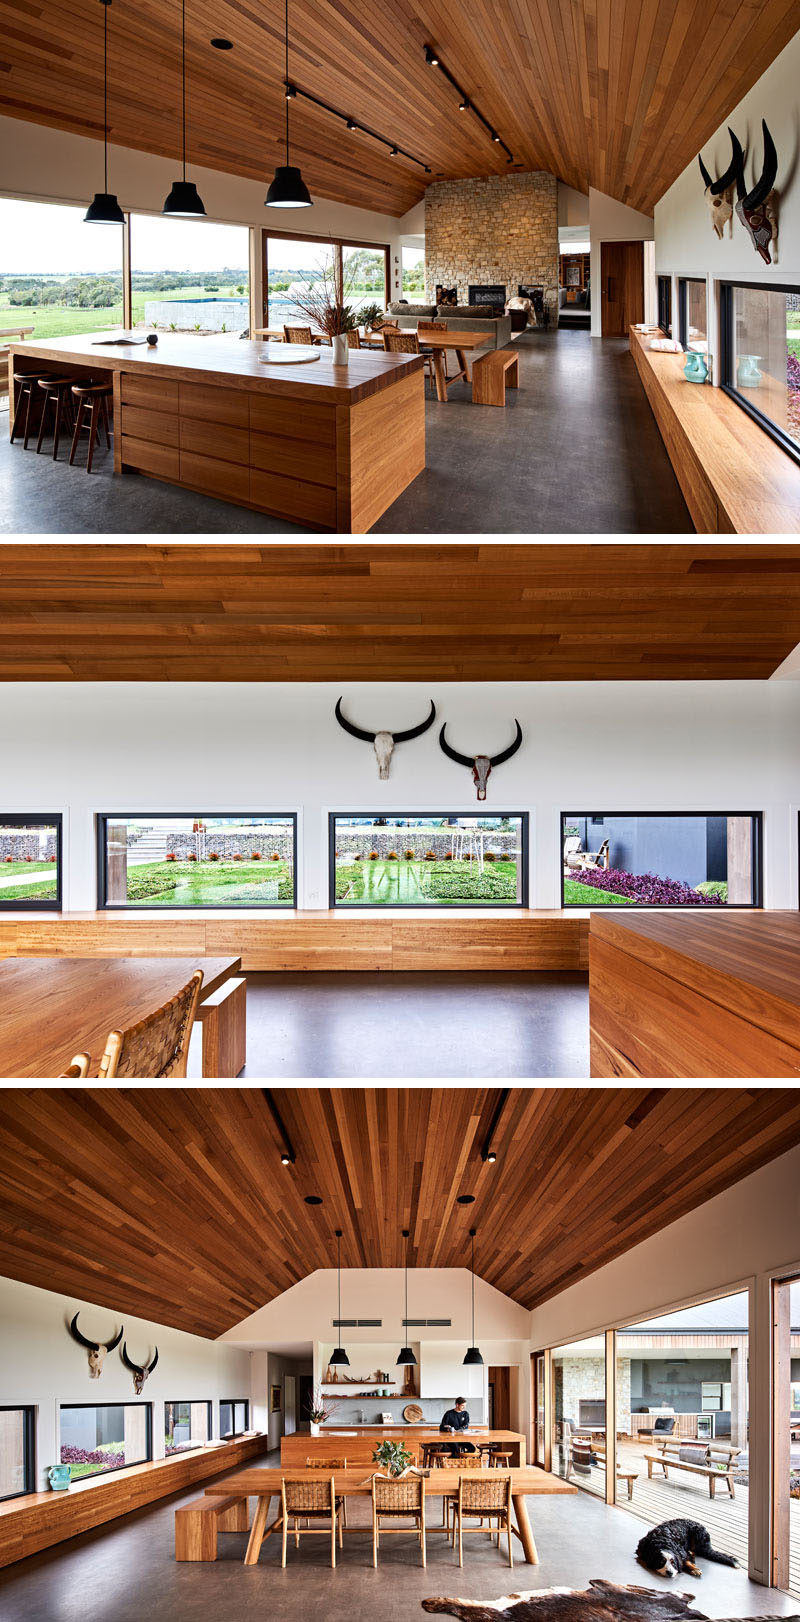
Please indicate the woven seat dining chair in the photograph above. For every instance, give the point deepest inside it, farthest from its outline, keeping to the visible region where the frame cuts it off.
(398, 1500)
(406, 343)
(309, 1501)
(465, 1461)
(487, 1496)
(354, 338)
(158, 1046)
(78, 1067)
(297, 335)
(330, 1464)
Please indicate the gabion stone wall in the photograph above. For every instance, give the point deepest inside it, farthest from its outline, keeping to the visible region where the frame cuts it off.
(440, 840)
(228, 844)
(18, 843)
(503, 228)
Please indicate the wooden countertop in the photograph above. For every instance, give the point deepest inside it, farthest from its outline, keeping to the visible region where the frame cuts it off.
(755, 484)
(229, 362)
(745, 962)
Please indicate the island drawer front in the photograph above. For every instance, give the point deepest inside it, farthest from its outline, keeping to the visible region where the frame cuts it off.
(229, 480)
(293, 498)
(215, 440)
(293, 419)
(139, 422)
(295, 458)
(154, 393)
(207, 403)
(150, 457)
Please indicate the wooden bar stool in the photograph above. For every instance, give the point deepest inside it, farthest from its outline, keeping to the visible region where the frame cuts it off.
(96, 396)
(499, 1458)
(27, 383)
(57, 392)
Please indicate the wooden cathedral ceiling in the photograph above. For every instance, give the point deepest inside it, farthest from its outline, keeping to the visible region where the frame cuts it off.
(618, 94)
(172, 1204)
(557, 612)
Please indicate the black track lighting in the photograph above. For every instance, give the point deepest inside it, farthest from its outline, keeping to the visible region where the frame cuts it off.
(287, 1149)
(104, 208)
(287, 187)
(431, 58)
(393, 152)
(464, 104)
(488, 1152)
(184, 199)
(351, 125)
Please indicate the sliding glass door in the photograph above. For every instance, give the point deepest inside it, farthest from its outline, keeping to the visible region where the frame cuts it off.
(58, 275)
(189, 275)
(292, 264)
(786, 1435)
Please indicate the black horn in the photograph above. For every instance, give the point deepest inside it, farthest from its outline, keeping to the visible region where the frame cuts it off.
(357, 732)
(461, 760)
(134, 1367)
(707, 181)
(416, 732)
(762, 187)
(91, 1345)
(153, 1364)
(733, 171)
(497, 760)
(115, 1342)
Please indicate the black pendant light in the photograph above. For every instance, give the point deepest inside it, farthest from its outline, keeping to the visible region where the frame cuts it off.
(473, 1355)
(406, 1355)
(339, 1354)
(288, 189)
(104, 208)
(184, 199)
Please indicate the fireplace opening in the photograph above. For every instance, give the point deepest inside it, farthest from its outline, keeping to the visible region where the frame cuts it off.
(488, 293)
(592, 1411)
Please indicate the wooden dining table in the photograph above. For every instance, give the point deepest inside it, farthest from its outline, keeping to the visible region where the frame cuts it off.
(54, 1007)
(463, 343)
(265, 1484)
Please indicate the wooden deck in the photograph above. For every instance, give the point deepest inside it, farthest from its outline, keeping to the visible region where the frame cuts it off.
(687, 1495)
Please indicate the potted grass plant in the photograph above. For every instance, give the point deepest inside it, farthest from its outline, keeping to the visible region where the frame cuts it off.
(393, 1457)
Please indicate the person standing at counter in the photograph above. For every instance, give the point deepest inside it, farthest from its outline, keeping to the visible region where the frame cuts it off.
(457, 1419)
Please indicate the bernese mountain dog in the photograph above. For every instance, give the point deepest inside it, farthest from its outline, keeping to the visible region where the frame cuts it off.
(673, 1547)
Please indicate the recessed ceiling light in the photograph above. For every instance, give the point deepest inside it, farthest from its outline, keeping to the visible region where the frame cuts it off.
(465, 1199)
(313, 1199)
(222, 44)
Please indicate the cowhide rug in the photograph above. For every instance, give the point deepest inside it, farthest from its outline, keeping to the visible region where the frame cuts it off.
(600, 1602)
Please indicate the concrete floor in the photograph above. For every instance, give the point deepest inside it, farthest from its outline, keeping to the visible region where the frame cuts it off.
(456, 1026)
(575, 451)
(126, 1572)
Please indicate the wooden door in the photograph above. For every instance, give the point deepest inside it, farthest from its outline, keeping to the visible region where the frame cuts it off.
(621, 287)
(499, 1399)
(289, 1405)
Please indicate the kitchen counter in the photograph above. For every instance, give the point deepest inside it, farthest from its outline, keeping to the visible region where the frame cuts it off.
(328, 447)
(357, 1442)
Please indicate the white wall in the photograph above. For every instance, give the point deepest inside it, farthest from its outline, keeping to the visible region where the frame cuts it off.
(737, 1240)
(82, 748)
(48, 165)
(41, 1364)
(573, 206)
(686, 244)
(610, 221)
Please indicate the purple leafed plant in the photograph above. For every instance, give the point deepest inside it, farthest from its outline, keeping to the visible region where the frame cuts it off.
(79, 1455)
(647, 888)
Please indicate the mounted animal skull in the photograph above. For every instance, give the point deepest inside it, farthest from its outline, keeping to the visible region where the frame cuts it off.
(384, 742)
(719, 193)
(481, 765)
(97, 1352)
(757, 208)
(139, 1374)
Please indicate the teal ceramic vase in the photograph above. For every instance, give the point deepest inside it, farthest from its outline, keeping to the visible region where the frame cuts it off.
(748, 375)
(695, 370)
(59, 1477)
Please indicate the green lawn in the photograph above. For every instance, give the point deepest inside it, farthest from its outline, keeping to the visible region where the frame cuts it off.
(208, 884)
(26, 891)
(587, 895)
(58, 320)
(386, 883)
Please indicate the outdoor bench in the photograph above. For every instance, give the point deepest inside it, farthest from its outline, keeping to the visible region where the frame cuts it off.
(715, 1463)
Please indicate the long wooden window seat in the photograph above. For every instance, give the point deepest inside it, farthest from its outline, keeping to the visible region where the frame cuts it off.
(735, 479)
(512, 940)
(40, 1519)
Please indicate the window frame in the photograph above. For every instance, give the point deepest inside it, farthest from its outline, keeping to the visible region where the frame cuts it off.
(683, 312)
(664, 286)
(232, 1402)
(757, 823)
(190, 1402)
(433, 906)
(725, 305)
(28, 1412)
(22, 819)
(104, 905)
(148, 1421)
(338, 243)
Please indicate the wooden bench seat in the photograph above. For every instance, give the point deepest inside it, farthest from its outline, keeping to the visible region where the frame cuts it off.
(197, 1525)
(492, 374)
(223, 1016)
(716, 1463)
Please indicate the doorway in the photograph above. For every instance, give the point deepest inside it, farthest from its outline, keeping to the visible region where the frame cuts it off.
(786, 1435)
(621, 287)
(499, 1399)
(305, 1392)
(289, 1405)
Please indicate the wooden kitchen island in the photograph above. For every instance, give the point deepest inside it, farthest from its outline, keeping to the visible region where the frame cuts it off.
(328, 447)
(357, 1443)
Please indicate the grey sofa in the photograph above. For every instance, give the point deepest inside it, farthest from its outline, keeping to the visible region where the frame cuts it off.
(462, 317)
